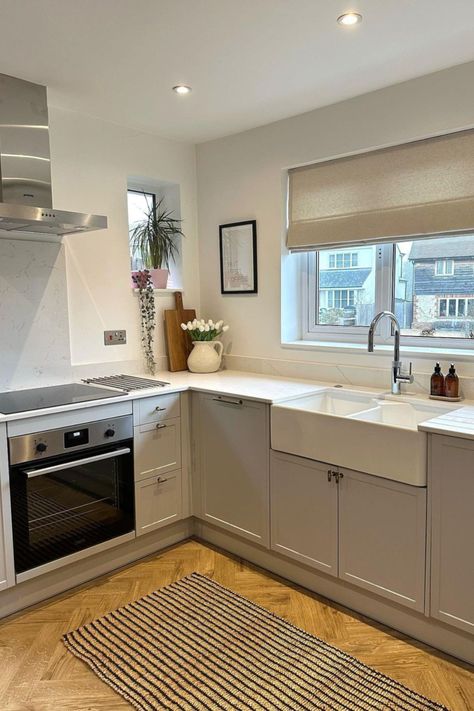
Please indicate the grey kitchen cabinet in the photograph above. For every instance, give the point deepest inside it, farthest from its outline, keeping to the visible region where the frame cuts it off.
(451, 487)
(7, 571)
(157, 502)
(303, 506)
(382, 535)
(232, 447)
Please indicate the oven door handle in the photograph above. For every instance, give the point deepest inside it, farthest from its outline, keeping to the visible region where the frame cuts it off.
(30, 473)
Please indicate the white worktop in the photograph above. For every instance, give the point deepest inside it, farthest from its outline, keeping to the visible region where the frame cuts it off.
(263, 388)
(272, 390)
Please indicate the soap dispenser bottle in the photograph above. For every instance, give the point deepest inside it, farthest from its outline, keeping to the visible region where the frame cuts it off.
(437, 386)
(451, 383)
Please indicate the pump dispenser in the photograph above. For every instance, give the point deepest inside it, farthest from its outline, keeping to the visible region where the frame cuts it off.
(451, 383)
(437, 386)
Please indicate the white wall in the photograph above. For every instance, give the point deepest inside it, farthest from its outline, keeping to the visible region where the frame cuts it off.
(244, 176)
(91, 161)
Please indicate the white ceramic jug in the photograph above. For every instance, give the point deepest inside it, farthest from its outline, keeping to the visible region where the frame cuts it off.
(205, 357)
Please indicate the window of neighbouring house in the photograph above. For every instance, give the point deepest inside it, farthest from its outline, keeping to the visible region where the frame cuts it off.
(345, 294)
(444, 267)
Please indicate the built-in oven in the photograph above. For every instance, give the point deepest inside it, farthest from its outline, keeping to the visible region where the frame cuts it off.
(71, 489)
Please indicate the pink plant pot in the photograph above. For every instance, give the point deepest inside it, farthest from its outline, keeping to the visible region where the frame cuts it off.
(159, 278)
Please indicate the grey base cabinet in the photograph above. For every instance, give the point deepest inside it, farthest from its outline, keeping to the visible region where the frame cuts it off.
(451, 485)
(366, 530)
(303, 504)
(157, 462)
(231, 438)
(382, 529)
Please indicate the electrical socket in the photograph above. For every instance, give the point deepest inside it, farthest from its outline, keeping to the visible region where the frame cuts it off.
(115, 338)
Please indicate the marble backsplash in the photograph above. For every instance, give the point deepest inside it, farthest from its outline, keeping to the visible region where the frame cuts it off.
(336, 373)
(34, 324)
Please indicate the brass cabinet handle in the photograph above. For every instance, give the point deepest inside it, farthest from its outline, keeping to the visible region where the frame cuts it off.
(329, 475)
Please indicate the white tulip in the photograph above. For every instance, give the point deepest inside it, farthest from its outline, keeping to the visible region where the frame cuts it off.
(184, 326)
(201, 328)
(219, 324)
(189, 326)
(207, 328)
(194, 323)
(225, 328)
(211, 322)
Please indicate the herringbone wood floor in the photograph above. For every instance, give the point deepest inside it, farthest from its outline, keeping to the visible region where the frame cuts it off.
(38, 674)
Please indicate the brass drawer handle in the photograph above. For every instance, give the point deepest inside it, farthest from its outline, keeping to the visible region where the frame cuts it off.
(159, 409)
(161, 481)
(160, 427)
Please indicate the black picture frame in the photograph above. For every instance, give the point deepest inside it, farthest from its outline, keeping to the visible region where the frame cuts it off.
(244, 259)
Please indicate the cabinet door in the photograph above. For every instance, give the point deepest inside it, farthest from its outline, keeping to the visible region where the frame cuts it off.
(157, 448)
(303, 511)
(382, 534)
(233, 443)
(451, 487)
(157, 502)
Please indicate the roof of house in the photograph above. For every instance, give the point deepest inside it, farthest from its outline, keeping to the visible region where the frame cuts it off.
(343, 278)
(441, 248)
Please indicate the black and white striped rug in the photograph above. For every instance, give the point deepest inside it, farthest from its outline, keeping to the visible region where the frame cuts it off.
(195, 645)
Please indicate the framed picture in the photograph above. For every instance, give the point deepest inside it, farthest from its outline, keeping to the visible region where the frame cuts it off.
(238, 252)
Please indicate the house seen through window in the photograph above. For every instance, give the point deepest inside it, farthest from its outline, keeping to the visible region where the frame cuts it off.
(427, 283)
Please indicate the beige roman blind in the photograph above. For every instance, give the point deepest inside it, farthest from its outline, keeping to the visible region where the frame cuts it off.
(415, 189)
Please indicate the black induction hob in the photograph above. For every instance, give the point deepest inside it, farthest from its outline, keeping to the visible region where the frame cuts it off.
(38, 398)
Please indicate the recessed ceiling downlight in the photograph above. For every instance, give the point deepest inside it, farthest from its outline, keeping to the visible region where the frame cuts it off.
(182, 89)
(349, 18)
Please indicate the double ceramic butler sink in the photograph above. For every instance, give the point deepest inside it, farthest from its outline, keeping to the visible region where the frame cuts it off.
(358, 431)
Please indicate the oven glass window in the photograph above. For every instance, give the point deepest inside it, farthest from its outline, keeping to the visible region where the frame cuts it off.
(59, 513)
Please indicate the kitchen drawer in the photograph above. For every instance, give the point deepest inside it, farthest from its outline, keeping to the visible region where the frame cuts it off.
(155, 409)
(157, 502)
(157, 448)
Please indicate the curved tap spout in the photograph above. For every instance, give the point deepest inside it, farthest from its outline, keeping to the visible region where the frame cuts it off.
(397, 375)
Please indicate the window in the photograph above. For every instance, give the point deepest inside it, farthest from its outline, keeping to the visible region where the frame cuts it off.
(346, 290)
(444, 267)
(343, 260)
(138, 203)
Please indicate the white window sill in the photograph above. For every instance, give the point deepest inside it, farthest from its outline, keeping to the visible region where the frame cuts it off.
(382, 348)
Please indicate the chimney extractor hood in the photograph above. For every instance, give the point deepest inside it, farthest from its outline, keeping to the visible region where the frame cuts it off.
(25, 166)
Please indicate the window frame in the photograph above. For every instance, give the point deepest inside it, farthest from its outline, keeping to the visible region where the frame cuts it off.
(444, 272)
(385, 277)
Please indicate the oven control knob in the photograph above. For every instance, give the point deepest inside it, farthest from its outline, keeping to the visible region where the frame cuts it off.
(41, 447)
(109, 433)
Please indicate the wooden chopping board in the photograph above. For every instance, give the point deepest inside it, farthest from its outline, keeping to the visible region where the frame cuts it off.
(178, 341)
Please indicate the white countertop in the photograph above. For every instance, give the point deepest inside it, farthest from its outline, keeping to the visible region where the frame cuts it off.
(263, 388)
(272, 390)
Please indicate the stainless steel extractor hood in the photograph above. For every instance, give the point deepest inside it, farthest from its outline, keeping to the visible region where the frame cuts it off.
(25, 166)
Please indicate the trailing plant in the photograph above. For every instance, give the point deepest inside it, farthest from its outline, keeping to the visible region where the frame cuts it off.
(204, 330)
(154, 238)
(146, 300)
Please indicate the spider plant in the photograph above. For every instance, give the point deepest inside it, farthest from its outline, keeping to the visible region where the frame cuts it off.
(154, 238)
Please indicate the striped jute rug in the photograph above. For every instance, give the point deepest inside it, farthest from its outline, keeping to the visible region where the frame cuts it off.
(195, 645)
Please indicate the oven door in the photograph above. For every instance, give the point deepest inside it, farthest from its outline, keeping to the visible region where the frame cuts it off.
(70, 503)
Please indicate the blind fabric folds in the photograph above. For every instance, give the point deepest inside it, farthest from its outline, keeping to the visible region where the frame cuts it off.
(415, 189)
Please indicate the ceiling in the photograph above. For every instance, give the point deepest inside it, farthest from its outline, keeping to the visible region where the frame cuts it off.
(249, 62)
